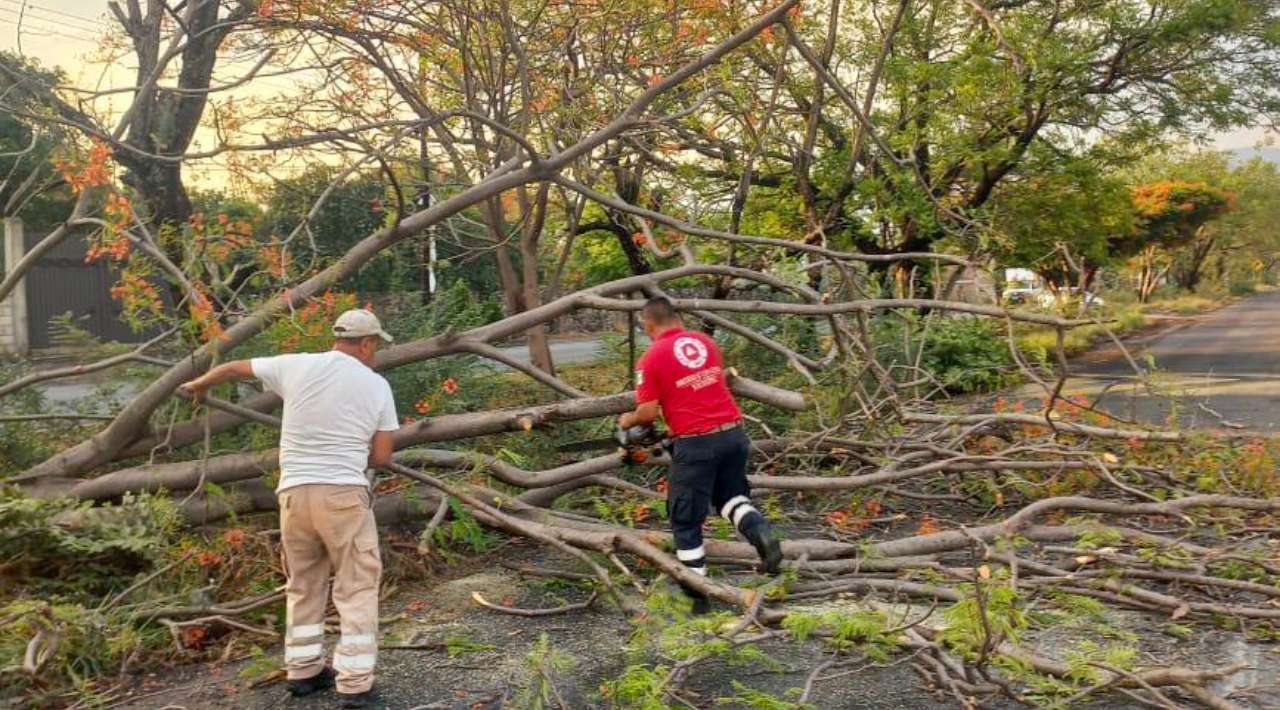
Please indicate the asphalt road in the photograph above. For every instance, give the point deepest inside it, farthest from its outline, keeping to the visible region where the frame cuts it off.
(1219, 370)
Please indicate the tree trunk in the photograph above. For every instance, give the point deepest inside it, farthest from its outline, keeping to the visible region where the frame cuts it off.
(1192, 260)
(534, 218)
(1148, 275)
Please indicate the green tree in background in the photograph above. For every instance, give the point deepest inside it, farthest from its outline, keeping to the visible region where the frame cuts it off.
(1172, 214)
(353, 209)
(30, 185)
(1061, 222)
(1246, 239)
(968, 99)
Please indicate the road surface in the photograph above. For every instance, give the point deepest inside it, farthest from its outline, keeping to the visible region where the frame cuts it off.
(1217, 370)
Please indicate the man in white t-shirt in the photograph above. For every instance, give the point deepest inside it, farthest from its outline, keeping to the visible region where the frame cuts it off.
(338, 420)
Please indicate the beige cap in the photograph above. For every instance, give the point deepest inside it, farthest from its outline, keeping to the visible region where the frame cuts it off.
(359, 323)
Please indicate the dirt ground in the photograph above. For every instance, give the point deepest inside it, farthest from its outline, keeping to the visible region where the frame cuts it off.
(491, 671)
(489, 674)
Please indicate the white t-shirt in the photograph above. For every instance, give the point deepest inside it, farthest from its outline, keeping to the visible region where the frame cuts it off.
(333, 404)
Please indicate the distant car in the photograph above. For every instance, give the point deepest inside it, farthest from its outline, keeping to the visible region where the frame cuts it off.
(1047, 299)
(1044, 298)
(1018, 296)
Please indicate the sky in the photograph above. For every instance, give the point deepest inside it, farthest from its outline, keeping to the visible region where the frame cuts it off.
(67, 33)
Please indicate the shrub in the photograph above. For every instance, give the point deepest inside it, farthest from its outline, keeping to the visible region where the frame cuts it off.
(1242, 288)
(964, 355)
(66, 547)
(424, 388)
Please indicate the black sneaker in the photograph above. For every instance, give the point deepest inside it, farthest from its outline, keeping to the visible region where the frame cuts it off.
(323, 680)
(701, 606)
(770, 550)
(358, 700)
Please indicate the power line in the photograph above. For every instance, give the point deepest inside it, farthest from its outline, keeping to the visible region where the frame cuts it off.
(33, 13)
(32, 7)
(28, 27)
(94, 20)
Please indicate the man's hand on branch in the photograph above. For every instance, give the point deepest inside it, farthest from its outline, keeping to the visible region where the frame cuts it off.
(228, 372)
(194, 389)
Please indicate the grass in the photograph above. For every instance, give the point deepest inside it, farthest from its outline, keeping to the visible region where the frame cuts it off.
(1186, 305)
(1039, 343)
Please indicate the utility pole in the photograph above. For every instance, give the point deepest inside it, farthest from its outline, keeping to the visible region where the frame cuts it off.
(427, 255)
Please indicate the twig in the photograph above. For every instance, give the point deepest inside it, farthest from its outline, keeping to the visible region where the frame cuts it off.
(577, 606)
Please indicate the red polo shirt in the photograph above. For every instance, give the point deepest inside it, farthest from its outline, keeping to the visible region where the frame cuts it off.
(684, 371)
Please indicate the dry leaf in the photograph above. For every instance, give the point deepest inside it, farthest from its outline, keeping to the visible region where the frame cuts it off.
(1180, 612)
(984, 572)
(1110, 457)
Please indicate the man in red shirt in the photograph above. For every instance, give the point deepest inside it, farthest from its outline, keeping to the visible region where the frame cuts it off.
(682, 374)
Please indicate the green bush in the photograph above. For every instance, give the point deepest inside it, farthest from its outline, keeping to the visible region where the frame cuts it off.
(963, 354)
(1242, 288)
(454, 309)
(63, 561)
(69, 548)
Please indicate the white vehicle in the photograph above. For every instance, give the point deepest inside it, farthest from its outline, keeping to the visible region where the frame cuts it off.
(1047, 299)
(1022, 295)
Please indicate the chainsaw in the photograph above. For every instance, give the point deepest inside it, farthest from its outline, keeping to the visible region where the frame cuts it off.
(638, 443)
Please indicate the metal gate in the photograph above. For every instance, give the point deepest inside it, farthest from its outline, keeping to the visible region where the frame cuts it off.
(61, 282)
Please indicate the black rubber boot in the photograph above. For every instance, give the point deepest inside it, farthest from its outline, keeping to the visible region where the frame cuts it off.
(701, 604)
(757, 531)
(359, 700)
(301, 687)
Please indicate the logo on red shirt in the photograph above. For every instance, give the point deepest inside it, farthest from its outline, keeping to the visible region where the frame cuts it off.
(690, 352)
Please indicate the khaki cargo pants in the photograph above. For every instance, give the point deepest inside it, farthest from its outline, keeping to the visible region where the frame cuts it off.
(330, 530)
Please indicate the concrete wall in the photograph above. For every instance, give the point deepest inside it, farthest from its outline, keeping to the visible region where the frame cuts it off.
(14, 336)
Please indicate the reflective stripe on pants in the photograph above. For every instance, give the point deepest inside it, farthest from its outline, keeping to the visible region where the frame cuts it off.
(329, 530)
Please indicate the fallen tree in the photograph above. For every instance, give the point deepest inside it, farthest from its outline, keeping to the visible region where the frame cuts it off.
(1039, 508)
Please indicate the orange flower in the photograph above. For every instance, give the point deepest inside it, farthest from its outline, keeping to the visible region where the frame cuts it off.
(422, 406)
(450, 386)
(194, 636)
(639, 239)
(662, 486)
(208, 559)
(234, 537)
(873, 507)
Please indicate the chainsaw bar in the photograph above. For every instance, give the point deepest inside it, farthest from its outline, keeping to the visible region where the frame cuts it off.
(590, 445)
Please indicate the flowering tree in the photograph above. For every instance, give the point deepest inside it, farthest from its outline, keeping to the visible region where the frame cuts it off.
(774, 156)
(1171, 215)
